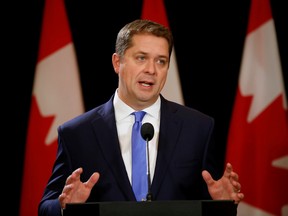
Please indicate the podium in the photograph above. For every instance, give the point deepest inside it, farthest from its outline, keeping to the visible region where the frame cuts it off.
(153, 208)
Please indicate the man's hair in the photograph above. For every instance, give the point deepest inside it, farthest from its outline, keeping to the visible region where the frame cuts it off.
(141, 26)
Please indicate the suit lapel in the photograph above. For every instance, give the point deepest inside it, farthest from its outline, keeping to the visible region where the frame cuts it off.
(106, 131)
(169, 130)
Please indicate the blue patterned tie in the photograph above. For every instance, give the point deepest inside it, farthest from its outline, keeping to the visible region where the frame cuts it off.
(139, 166)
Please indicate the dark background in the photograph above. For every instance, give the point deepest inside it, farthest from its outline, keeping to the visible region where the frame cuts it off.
(209, 37)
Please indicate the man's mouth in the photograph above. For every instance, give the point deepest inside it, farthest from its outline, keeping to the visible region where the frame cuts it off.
(146, 83)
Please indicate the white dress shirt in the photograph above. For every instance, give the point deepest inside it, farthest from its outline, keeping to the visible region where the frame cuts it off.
(124, 123)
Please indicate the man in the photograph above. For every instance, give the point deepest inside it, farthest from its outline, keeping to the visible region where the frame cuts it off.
(94, 160)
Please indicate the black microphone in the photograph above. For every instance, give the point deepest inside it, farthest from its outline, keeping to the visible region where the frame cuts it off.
(147, 133)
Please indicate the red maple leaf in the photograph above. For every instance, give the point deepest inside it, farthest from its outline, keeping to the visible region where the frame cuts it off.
(39, 158)
(254, 146)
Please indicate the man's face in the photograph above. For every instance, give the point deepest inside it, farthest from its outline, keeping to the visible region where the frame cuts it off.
(142, 70)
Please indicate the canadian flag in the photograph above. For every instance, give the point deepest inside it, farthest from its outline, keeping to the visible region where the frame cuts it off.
(56, 97)
(258, 138)
(155, 10)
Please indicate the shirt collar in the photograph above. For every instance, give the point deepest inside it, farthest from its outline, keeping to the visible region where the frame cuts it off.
(122, 110)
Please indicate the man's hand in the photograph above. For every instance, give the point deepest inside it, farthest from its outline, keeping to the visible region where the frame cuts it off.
(76, 191)
(226, 188)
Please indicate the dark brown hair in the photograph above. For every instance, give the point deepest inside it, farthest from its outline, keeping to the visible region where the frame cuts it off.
(141, 26)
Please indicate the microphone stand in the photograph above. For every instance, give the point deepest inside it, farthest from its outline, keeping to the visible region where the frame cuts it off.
(149, 194)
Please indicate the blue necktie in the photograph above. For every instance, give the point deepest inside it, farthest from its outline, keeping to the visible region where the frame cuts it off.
(139, 166)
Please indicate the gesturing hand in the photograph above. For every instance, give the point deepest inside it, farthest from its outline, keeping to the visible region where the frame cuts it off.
(76, 191)
(226, 188)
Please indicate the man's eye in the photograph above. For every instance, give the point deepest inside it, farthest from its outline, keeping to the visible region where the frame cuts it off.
(141, 58)
(162, 61)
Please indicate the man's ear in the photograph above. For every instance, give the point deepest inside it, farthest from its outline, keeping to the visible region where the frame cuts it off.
(116, 62)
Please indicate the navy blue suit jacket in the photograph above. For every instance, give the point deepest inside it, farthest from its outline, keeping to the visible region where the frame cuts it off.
(90, 141)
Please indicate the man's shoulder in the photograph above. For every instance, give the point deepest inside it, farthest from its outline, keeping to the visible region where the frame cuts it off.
(183, 110)
(90, 115)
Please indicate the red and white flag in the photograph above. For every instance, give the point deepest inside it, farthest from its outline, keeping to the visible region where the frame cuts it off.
(56, 97)
(258, 138)
(155, 10)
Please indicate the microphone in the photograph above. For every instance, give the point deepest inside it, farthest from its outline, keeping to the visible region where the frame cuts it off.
(147, 133)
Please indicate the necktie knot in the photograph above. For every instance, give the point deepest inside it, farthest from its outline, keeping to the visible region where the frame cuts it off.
(139, 115)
